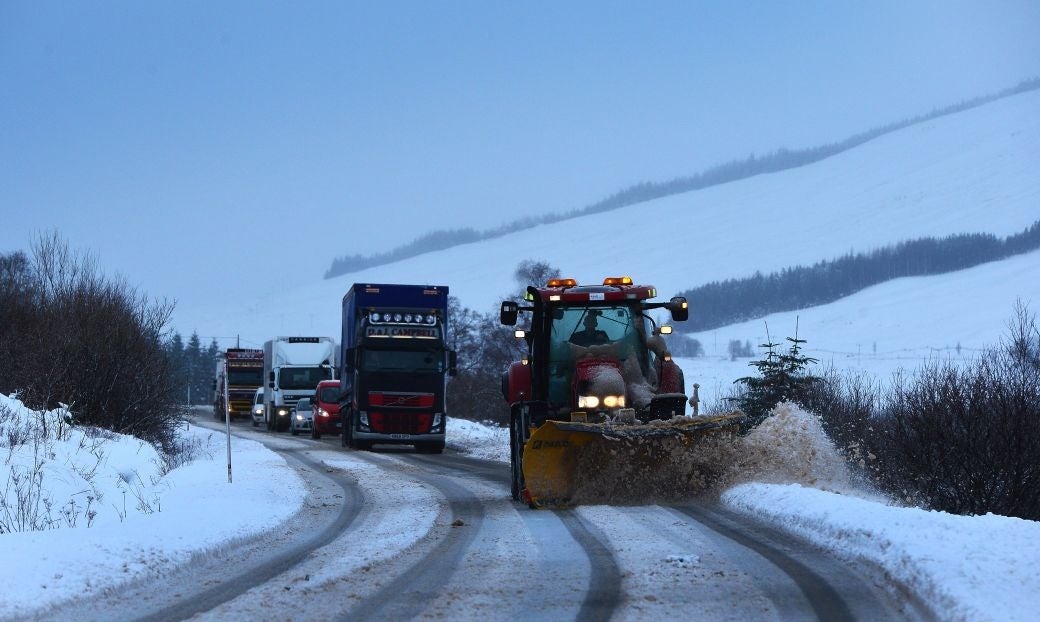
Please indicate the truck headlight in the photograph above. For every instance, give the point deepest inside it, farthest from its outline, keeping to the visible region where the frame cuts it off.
(614, 401)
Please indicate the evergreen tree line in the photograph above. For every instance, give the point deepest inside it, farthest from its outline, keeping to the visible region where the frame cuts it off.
(192, 367)
(735, 300)
(780, 160)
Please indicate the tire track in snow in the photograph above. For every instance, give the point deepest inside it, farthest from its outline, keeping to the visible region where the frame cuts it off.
(550, 530)
(829, 589)
(408, 595)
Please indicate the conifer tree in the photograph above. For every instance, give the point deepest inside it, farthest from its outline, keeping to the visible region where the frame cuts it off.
(782, 377)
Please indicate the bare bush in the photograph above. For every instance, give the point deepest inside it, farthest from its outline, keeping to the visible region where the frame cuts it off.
(847, 405)
(961, 439)
(967, 440)
(71, 336)
(486, 349)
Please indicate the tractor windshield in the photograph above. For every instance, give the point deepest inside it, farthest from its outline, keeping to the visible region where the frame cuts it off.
(612, 333)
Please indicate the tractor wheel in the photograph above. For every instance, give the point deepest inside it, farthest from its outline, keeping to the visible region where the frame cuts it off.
(516, 452)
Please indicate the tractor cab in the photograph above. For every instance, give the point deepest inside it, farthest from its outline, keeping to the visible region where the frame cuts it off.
(592, 352)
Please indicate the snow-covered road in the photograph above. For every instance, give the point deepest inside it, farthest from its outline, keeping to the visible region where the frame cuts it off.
(395, 535)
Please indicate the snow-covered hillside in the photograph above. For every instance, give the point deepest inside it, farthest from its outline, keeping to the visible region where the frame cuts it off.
(896, 325)
(974, 171)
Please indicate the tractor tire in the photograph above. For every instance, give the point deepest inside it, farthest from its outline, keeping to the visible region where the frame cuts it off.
(516, 452)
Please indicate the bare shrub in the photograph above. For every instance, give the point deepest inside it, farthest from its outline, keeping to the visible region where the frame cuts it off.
(848, 406)
(961, 439)
(68, 335)
(967, 440)
(485, 350)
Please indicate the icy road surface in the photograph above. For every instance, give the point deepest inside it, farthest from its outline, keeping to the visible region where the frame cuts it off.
(392, 535)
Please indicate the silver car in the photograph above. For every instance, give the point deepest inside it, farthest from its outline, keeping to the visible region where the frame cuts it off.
(302, 419)
(257, 413)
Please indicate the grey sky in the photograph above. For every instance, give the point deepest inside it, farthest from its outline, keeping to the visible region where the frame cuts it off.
(205, 149)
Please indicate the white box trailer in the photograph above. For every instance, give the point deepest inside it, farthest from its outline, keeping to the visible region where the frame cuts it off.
(293, 367)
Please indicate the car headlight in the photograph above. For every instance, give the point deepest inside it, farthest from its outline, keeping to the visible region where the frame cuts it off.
(259, 410)
(322, 412)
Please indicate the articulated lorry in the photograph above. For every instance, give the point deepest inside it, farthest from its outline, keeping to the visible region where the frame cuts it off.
(240, 372)
(293, 367)
(395, 366)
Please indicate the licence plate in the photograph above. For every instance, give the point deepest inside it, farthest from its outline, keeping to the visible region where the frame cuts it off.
(400, 437)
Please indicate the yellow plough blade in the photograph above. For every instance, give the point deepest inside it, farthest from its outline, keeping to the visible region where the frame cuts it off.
(568, 463)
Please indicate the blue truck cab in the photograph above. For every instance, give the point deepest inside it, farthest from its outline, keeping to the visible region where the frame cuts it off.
(395, 366)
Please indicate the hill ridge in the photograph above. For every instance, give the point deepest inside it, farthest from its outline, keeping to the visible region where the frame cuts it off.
(780, 160)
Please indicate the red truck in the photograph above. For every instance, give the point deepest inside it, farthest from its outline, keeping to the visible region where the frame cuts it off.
(326, 409)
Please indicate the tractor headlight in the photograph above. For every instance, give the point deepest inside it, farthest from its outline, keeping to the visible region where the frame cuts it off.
(591, 402)
(588, 401)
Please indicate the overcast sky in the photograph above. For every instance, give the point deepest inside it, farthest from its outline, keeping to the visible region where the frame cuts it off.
(202, 148)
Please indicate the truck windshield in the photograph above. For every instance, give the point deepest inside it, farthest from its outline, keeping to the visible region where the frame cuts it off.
(303, 377)
(402, 360)
(246, 377)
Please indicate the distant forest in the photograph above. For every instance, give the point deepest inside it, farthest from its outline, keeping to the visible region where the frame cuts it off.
(782, 159)
(735, 300)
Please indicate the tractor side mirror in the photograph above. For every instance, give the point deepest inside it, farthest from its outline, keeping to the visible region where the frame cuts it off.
(509, 312)
(680, 309)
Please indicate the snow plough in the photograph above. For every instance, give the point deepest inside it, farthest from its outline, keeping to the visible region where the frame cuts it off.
(597, 405)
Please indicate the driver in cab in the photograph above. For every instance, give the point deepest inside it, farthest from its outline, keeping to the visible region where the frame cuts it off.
(591, 335)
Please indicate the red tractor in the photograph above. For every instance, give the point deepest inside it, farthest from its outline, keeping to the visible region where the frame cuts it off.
(597, 369)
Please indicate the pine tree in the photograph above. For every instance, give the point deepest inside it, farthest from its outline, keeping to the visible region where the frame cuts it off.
(198, 372)
(178, 367)
(782, 377)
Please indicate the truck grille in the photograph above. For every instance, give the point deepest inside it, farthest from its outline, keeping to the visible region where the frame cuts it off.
(400, 399)
(400, 423)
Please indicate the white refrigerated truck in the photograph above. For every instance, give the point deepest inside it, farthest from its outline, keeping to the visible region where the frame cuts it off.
(293, 367)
